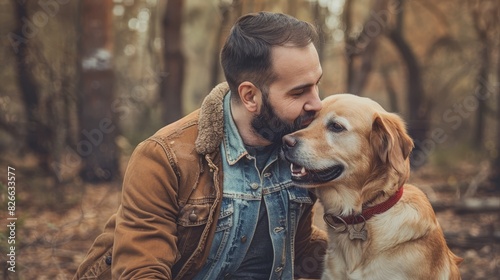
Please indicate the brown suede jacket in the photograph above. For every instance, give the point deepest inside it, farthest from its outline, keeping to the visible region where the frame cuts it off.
(172, 191)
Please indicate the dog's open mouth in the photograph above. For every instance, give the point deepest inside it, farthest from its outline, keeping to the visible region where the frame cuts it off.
(301, 175)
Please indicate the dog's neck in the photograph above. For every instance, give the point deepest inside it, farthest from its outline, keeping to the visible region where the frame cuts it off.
(346, 200)
(379, 198)
(380, 185)
(369, 212)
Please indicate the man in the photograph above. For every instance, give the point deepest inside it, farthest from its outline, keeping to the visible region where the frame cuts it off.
(208, 197)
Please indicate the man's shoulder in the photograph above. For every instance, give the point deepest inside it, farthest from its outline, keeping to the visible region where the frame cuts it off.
(174, 143)
(202, 128)
(180, 128)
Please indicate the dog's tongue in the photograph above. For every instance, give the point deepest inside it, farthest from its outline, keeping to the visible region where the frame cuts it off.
(297, 170)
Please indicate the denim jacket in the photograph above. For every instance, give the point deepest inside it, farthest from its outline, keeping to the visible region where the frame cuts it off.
(173, 208)
(245, 188)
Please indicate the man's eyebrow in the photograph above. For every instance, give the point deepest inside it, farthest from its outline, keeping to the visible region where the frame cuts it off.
(307, 85)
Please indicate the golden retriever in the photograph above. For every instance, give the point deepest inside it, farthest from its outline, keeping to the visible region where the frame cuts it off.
(356, 156)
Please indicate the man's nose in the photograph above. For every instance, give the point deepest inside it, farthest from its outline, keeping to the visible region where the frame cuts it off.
(314, 104)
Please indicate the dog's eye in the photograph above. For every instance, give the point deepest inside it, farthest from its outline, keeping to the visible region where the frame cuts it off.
(335, 127)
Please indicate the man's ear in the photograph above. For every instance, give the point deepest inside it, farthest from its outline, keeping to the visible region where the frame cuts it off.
(250, 96)
(390, 141)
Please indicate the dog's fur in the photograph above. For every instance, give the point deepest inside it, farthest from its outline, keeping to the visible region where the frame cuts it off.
(369, 147)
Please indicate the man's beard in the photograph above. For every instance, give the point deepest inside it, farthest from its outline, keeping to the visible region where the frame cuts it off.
(268, 125)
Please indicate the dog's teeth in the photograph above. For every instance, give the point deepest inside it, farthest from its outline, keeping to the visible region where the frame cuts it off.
(297, 170)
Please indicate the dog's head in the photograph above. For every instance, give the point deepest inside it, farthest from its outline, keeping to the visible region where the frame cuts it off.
(354, 142)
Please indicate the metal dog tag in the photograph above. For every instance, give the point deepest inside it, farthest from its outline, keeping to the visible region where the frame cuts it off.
(354, 234)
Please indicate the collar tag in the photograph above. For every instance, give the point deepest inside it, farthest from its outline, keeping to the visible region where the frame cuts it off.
(360, 233)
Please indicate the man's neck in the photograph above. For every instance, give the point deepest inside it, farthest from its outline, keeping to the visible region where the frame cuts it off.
(242, 118)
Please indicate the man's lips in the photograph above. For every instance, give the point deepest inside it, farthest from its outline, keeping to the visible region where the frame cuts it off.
(301, 175)
(306, 121)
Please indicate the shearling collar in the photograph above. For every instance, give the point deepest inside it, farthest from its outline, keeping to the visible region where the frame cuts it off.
(211, 120)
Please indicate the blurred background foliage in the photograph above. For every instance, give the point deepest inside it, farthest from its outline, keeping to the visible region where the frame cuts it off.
(84, 81)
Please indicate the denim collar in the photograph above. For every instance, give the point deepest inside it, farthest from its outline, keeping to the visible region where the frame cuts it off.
(233, 144)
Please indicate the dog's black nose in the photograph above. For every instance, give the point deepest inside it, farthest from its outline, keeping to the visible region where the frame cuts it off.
(288, 142)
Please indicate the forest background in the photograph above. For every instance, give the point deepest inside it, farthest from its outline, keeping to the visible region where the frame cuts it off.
(83, 82)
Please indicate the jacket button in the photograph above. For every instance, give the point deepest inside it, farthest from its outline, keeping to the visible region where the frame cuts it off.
(254, 186)
(243, 239)
(193, 217)
(108, 260)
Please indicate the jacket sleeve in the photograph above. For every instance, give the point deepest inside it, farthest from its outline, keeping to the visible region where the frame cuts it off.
(146, 231)
(310, 247)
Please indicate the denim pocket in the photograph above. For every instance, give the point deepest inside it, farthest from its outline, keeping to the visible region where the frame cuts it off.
(299, 197)
(222, 232)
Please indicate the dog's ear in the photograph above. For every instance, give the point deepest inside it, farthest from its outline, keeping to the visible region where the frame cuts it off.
(390, 141)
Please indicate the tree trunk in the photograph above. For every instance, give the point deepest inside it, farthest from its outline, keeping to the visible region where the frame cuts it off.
(482, 75)
(38, 135)
(418, 124)
(350, 45)
(97, 144)
(171, 86)
(482, 90)
(364, 46)
(391, 91)
(319, 14)
(495, 168)
(225, 11)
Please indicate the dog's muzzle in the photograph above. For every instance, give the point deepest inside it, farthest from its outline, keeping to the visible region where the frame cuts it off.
(301, 174)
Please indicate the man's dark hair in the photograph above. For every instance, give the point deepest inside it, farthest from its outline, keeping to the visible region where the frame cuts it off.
(246, 54)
